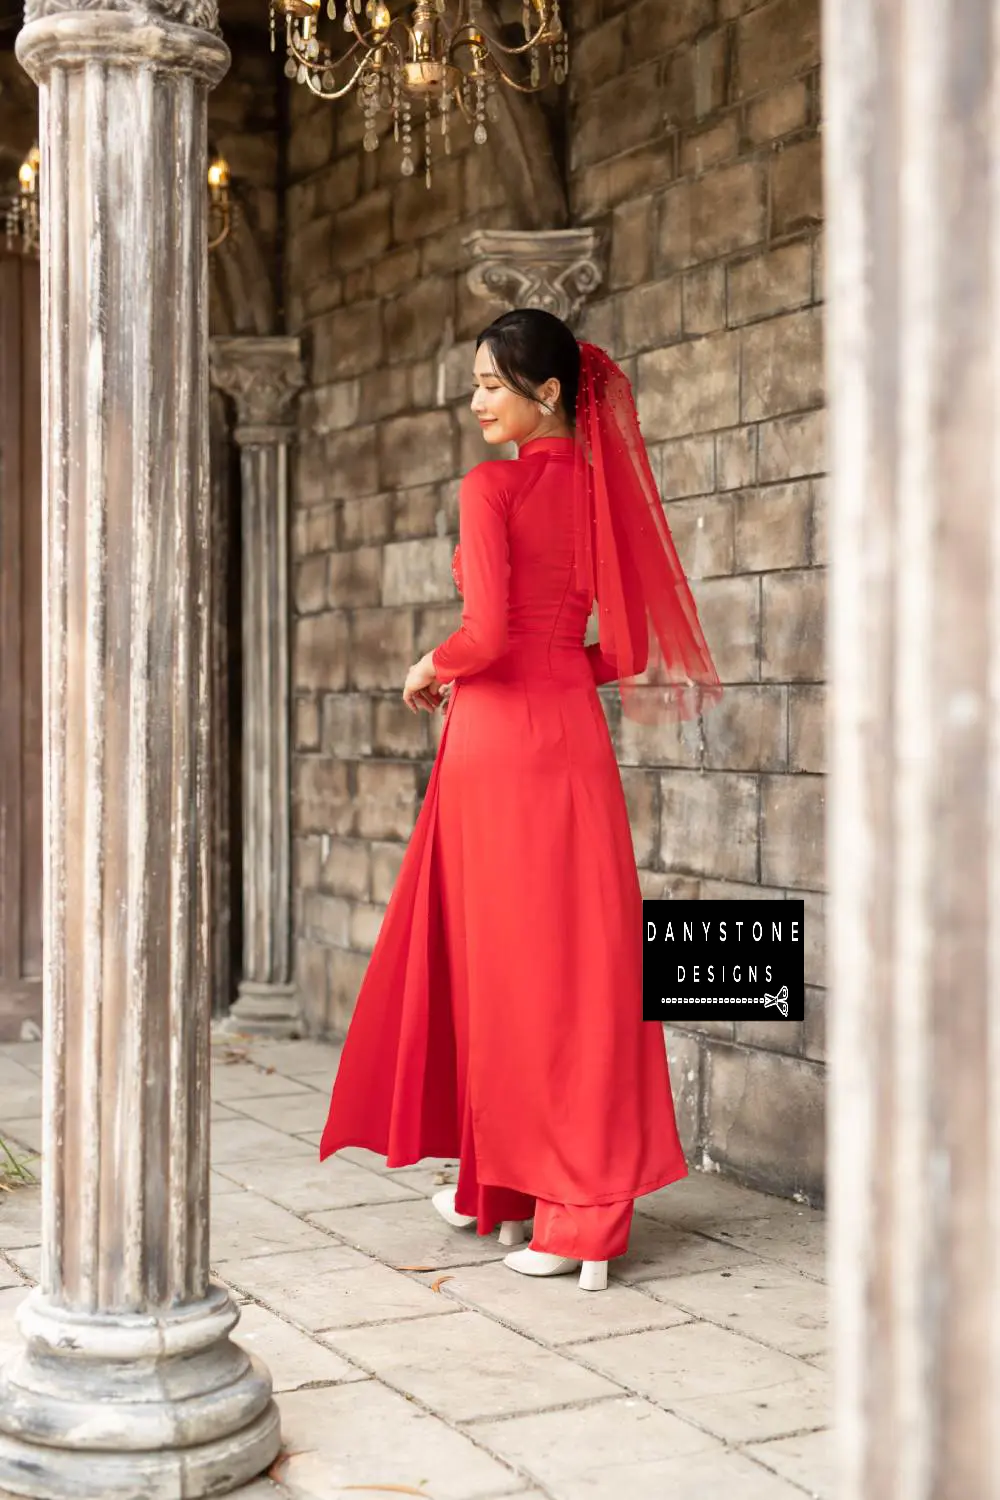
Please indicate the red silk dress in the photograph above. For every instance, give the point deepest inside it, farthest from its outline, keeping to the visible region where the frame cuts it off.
(499, 1021)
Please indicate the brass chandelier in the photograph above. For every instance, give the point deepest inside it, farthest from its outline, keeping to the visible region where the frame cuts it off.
(442, 56)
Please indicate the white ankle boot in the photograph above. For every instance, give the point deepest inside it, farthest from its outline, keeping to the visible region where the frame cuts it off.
(593, 1273)
(511, 1230)
(444, 1202)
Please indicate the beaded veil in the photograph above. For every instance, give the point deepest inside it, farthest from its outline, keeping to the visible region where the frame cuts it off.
(647, 618)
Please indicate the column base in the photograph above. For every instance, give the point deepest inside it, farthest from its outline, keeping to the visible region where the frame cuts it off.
(133, 1407)
(266, 1010)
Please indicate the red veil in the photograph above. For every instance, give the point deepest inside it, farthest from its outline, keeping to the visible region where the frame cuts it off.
(648, 621)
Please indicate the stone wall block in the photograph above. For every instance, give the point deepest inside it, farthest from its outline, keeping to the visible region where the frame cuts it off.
(347, 725)
(709, 823)
(776, 43)
(418, 572)
(793, 625)
(417, 450)
(355, 577)
(702, 532)
(736, 458)
(415, 319)
(747, 730)
(386, 860)
(782, 365)
(764, 1118)
(689, 388)
(346, 870)
(398, 732)
(686, 467)
(797, 187)
(310, 585)
(320, 652)
(366, 520)
(807, 728)
(792, 842)
(773, 527)
(791, 447)
(346, 342)
(351, 463)
(779, 113)
(322, 802)
(326, 919)
(729, 610)
(382, 649)
(778, 281)
(387, 800)
(649, 316)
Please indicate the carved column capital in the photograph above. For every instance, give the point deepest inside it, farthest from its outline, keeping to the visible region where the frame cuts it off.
(553, 269)
(203, 13)
(264, 377)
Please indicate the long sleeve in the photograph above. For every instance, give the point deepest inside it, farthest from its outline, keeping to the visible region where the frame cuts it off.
(482, 523)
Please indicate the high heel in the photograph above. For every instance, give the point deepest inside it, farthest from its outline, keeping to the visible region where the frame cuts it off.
(512, 1232)
(594, 1276)
(444, 1202)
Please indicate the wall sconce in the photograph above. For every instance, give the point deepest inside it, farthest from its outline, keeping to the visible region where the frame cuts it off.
(22, 209)
(220, 208)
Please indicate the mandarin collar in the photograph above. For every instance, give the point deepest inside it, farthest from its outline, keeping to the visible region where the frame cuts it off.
(564, 445)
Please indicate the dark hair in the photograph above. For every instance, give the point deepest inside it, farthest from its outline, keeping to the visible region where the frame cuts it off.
(530, 346)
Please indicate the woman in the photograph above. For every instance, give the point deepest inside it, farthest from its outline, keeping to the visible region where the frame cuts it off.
(500, 1018)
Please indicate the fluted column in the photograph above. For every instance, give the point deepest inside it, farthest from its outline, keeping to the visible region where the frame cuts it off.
(128, 1383)
(912, 174)
(264, 376)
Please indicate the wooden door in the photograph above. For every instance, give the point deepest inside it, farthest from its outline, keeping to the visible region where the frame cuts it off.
(20, 646)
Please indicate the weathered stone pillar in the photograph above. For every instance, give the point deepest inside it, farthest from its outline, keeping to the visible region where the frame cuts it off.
(912, 174)
(264, 376)
(128, 1383)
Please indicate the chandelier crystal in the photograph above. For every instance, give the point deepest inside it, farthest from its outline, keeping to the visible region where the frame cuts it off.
(421, 64)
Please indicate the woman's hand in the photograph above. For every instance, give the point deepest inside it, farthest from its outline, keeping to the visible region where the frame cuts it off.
(421, 688)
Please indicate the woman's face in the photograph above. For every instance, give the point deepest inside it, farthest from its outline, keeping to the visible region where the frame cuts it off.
(503, 415)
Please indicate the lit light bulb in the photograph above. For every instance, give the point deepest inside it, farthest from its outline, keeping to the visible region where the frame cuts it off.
(218, 173)
(381, 19)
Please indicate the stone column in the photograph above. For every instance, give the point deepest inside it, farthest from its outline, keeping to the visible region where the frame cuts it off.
(264, 376)
(913, 245)
(553, 269)
(128, 1383)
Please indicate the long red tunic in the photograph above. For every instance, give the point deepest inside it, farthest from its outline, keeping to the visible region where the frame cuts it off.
(504, 991)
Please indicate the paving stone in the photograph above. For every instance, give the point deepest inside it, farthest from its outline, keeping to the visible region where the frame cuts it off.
(300, 1059)
(292, 1113)
(305, 1287)
(221, 1186)
(363, 1434)
(20, 1218)
(309, 1187)
(656, 1249)
(245, 1080)
(28, 1262)
(26, 1133)
(244, 1225)
(607, 1448)
(261, 1489)
(554, 1310)
(729, 1385)
(248, 1140)
(807, 1459)
(20, 1100)
(10, 1335)
(27, 1054)
(467, 1366)
(765, 1301)
(708, 1197)
(14, 1074)
(293, 1358)
(799, 1242)
(403, 1234)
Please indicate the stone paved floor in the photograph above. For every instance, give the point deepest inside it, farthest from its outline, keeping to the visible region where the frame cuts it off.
(405, 1354)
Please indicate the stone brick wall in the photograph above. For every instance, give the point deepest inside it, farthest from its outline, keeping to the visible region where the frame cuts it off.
(709, 186)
